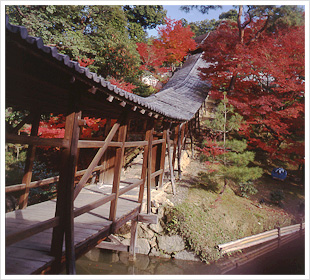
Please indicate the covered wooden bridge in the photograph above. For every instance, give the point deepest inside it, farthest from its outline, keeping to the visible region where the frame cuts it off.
(43, 237)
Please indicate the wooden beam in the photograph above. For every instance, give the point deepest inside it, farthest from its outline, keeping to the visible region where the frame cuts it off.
(23, 200)
(144, 163)
(133, 240)
(95, 160)
(38, 141)
(104, 158)
(156, 173)
(170, 161)
(65, 193)
(175, 143)
(122, 134)
(147, 218)
(130, 187)
(163, 155)
(149, 172)
(158, 141)
(110, 98)
(116, 247)
(93, 205)
(98, 144)
(31, 230)
(27, 119)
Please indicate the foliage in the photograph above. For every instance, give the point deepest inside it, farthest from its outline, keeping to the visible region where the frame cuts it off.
(204, 26)
(95, 32)
(122, 84)
(142, 17)
(263, 75)
(201, 8)
(230, 15)
(152, 57)
(247, 188)
(174, 40)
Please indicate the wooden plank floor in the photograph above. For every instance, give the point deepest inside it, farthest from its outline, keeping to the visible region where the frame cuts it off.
(32, 254)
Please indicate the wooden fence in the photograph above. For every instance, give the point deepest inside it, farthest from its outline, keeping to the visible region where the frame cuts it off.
(260, 238)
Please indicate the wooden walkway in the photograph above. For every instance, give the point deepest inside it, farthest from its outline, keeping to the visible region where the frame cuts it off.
(32, 255)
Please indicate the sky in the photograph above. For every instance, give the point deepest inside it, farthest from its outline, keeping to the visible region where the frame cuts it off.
(174, 12)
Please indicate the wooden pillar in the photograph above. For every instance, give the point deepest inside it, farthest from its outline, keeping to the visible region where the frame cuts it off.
(163, 155)
(148, 133)
(181, 127)
(118, 167)
(149, 171)
(133, 240)
(104, 159)
(65, 198)
(170, 161)
(23, 200)
(175, 143)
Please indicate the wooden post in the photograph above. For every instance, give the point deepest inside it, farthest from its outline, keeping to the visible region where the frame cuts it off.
(180, 134)
(149, 171)
(23, 200)
(145, 160)
(163, 155)
(65, 194)
(118, 167)
(133, 240)
(175, 143)
(170, 161)
(105, 157)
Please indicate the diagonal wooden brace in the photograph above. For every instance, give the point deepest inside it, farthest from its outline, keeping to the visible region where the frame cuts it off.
(96, 159)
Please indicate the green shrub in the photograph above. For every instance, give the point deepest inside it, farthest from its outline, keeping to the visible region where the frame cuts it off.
(247, 188)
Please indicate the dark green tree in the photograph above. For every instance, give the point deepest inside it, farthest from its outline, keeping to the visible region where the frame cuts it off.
(231, 14)
(96, 32)
(143, 17)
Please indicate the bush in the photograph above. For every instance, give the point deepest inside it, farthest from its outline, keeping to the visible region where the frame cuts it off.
(247, 188)
(208, 182)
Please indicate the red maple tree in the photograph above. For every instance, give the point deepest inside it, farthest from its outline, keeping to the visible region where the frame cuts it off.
(263, 75)
(175, 40)
(152, 57)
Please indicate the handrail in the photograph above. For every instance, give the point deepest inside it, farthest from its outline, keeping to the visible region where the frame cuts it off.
(41, 226)
(259, 238)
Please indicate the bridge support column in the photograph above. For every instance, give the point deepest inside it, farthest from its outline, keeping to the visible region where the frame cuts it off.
(133, 240)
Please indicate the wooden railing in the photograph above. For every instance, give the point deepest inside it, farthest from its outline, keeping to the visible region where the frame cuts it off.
(53, 222)
(259, 238)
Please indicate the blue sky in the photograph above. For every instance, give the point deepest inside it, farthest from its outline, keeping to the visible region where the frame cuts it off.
(174, 12)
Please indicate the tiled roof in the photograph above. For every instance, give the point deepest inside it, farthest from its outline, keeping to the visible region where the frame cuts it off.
(179, 100)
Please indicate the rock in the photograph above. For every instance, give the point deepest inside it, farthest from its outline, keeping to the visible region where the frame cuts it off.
(186, 256)
(145, 232)
(93, 255)
(169, 203)
(154, 203)
(156, 227)
(159, 197)
(126, 242)
(161, 212)
(124, 257)
(170, 244)
(142, 262)
(154, 210)
(156, 253)
(153, 242)
(114, 257)
(144, 246)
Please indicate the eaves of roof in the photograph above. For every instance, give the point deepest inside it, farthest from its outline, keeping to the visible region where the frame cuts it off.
(180, 99)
